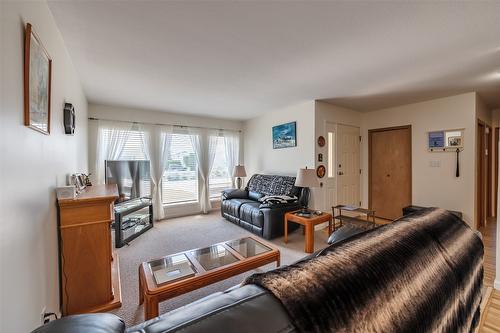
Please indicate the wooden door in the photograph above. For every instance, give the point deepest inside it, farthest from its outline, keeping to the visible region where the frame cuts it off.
(389, 156)
(480, 187)
(495, 170)
(348, 165)
(489, 172)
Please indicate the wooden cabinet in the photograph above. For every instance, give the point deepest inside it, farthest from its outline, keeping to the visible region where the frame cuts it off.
(89, 272)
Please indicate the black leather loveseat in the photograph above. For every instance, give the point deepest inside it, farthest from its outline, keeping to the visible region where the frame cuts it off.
(242, 207)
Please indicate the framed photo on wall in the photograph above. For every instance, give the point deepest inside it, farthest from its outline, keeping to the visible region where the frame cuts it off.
(285, 135)
(37, 83)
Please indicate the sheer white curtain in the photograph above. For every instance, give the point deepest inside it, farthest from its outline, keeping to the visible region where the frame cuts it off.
(157, 145)
(111, 138)
(232, 152)
(204, 144)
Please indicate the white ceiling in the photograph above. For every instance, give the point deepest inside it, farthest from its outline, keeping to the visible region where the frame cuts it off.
(242, 59)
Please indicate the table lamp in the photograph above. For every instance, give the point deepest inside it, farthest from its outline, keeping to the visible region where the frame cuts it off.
(239, 171)
(306, 178)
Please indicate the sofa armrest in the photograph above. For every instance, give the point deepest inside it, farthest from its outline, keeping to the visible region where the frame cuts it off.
(84, 323)
(274, 217)
(233, 193)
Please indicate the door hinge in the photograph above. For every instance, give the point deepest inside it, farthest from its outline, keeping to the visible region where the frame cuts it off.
(360, 138)
(360, 204)
(359, 171)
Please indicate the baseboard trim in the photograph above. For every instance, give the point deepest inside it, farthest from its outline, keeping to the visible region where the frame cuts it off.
(496, 285)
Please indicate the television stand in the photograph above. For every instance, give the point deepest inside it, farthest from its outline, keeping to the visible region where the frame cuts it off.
(132, 218)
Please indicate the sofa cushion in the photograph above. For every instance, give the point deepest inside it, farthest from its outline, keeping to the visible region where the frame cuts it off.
(250, 212)
(232, 206)
(272, 185)
(233, 193)
(243, 309)
(344, 232)
(255, 195)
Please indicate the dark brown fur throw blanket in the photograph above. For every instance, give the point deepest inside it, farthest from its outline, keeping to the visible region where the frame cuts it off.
(423, 273)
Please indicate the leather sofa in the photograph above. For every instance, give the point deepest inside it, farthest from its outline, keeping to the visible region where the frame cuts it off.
(243, 208)
(240, 309)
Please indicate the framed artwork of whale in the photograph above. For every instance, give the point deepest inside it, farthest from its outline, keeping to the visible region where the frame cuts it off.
(285, 135)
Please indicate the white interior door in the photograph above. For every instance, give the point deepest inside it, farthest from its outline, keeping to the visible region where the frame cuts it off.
(330, 193)
(348, 171)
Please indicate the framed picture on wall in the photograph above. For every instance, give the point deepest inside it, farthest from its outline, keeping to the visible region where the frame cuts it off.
(37, 83)
(285, 135)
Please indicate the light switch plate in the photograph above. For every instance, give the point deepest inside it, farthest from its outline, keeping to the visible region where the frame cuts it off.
(435, 164)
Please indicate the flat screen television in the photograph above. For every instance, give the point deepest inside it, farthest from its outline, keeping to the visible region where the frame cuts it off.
(132, 178)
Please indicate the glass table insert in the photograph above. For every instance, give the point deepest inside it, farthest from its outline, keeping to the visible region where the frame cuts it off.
(171, 268)
(248, 247)
(214, 256)
(177, 274)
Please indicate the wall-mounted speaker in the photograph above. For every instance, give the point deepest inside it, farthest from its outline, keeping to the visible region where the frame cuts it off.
(69, 118)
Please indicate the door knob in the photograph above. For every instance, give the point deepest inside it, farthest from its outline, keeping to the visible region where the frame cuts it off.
(388, 175)
(340, 173)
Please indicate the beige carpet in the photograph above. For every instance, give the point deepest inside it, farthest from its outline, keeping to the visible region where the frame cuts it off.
(180, 234)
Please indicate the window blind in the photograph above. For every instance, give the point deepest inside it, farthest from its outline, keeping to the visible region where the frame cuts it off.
(180, 179)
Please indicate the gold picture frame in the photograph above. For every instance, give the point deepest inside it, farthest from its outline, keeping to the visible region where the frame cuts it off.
(37, 83)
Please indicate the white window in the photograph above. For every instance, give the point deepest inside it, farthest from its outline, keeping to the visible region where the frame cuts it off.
(180, 179)
(220, 178)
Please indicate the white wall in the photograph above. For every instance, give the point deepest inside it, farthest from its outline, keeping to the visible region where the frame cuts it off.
(259, 155)
(432, 186)
(495, 116)
(329, 113)
(32, 165)
(482, 111)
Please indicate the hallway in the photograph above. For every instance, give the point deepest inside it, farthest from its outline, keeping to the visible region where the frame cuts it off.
(489, 240)
(490, 318)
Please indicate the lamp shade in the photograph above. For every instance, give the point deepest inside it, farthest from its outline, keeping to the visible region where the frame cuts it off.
(239, 171)
(306, 178)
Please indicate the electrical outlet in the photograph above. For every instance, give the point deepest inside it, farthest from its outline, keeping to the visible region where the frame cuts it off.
(42, 315)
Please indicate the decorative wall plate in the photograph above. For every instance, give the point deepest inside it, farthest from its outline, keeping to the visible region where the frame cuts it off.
(321, 141)
(321, 171)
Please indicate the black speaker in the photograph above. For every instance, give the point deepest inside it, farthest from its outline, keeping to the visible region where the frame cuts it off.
(69, 118)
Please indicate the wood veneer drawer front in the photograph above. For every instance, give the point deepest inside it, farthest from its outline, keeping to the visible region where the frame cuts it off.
(81, 214)
(86, 267)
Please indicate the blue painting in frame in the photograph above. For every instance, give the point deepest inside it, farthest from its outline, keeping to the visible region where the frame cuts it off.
(285, 135)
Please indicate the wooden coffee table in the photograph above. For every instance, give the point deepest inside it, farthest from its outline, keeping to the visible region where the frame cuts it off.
(308, 223)
(211, 264)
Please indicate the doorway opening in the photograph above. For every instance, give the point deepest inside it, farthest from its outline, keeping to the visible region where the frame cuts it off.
(343, 178)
